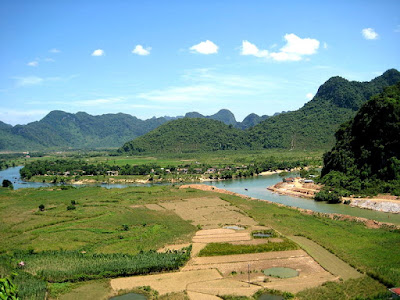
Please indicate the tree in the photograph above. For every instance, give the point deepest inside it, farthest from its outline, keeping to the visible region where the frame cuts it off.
(7, 184)
(41, 207)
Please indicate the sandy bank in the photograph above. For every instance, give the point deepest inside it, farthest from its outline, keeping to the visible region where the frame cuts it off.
(297, 188)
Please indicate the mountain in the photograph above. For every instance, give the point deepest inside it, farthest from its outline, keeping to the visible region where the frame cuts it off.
(313, 125)
(227, 117)
(366, 155)
(188, 135)
(251, 120)
(60, 129)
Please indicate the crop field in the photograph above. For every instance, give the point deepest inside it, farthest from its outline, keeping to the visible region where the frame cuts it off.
(374, 251)
(83, 235)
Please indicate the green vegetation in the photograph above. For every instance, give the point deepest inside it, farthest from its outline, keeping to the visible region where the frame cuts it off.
(62, 130)
(79, 131)
(313, 126)
(363, 289)
(373, 251)
(7, 184)
(62, 266)
(95, 225)
(223, 165)
(214, 249)
(8, 290)
(188, 135)
(366, 157)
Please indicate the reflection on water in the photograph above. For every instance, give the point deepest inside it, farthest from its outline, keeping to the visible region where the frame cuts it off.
(253, 187)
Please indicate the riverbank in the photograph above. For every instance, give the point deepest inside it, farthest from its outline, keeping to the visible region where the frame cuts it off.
(143, 179)
(334, 216)
(298, 188)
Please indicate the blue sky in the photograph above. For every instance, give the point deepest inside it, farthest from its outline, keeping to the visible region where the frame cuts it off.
(156, 58)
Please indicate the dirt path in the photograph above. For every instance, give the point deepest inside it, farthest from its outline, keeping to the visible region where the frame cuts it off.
(326, 259)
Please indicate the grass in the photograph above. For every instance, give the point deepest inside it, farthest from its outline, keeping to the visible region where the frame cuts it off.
(214, 249)
(96, 225)
(72, 266)
(373, 251)
(361, 288)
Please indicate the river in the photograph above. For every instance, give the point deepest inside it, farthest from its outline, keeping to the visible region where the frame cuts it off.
(256, 187)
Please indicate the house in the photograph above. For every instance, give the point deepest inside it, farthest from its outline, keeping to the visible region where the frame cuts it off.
(211, 170)
(308, 181)
(395, 293)
(289, 179)
(198, 170)
(112, 173)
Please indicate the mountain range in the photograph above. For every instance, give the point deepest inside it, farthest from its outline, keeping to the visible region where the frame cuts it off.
(310, 127)
(63, 130)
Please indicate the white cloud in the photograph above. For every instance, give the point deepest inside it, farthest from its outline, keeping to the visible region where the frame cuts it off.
(32, 63)
(98, 52)
(139, 50)
(47, 59)
(28, 81)
(251, 49)
(325, 45)
(369, 34)
(54, 50)
(206, 47)
(309, 96)
(297, 45)
(294, 50)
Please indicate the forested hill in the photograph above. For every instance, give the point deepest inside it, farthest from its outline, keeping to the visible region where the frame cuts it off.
(313, 125)
(227, 117)
(189, 135)
(366, 156)
(60, 130)
(65, 130)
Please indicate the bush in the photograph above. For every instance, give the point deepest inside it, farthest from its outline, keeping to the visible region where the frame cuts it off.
(41, 207)
(330, 196)
(71, 207)
(7, 184)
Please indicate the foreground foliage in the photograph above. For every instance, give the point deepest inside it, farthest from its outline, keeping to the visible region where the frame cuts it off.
(366, 157)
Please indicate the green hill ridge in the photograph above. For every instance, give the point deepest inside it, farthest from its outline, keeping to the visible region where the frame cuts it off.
(366, 156)
(189, 135)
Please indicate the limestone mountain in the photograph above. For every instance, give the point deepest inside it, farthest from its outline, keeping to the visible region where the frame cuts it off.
(314, 125)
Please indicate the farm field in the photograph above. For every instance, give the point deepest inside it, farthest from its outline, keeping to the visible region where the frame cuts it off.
(130, 221)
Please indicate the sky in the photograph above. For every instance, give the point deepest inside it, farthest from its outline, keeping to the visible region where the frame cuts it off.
(166, 58)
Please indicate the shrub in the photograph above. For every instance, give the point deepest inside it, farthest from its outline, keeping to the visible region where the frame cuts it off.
(41, 207)
(330, 196)
(7, 184)
(71, 207)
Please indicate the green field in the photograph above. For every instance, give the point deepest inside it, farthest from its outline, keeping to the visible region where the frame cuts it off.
(114, 225)
(373, 251)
